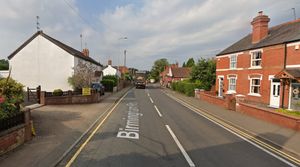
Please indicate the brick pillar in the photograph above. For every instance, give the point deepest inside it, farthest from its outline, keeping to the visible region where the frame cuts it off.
(42, 98)
(239, 99)
(197, 93)
(230, 102)
(28, 124)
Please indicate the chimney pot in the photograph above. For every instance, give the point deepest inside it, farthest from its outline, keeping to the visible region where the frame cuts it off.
(260, 27)
(109, 62)
(86, 52)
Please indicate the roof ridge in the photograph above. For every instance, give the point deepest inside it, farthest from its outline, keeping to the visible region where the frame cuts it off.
(286, 23)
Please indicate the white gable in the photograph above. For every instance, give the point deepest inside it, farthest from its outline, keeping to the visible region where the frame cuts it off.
(43, 63)
(109, 70)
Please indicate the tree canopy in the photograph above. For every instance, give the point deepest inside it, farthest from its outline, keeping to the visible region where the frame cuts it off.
(158, 67)
(190, 62)
(4, 64)
(205, 72)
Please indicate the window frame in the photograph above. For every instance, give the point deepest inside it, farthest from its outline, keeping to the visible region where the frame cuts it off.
(253, 53)
(251, 85)
(230, 84)
(231, 62)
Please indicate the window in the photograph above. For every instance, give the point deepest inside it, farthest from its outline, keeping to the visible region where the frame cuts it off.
(255, 86)
(256, 59)
(233, 61)
(232, 84)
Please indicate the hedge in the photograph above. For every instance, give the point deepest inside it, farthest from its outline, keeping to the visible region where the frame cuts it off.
(108, 84)
(186, 87)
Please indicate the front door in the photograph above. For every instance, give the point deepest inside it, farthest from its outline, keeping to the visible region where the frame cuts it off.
(221, 80)
(275, 93)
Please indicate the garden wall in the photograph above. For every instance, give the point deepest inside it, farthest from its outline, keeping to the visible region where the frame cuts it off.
(227, 102)
(17, 135)
(70, 99)
(269, 115)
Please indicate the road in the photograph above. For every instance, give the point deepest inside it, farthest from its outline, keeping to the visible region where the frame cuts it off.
(148, 128)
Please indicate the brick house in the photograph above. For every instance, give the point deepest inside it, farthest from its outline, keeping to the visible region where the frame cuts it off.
(264, 66)
(174, 73)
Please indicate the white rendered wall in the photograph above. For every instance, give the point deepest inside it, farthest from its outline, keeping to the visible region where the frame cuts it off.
(109, 70)
(42, 63)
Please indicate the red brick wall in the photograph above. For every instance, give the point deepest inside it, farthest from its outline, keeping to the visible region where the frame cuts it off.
(293, 57)
(272, 63)
(270, 116)
(12, 140)
(213, 99)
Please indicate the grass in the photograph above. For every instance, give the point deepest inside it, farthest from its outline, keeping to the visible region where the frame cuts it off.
(289, 112)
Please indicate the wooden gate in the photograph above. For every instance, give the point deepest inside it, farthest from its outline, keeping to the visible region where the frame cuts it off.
(33, 94)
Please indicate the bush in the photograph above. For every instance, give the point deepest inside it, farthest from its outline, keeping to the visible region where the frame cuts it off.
(108, 84)
(11, 96)
(57, 92)
(111, 77)
(186, 87)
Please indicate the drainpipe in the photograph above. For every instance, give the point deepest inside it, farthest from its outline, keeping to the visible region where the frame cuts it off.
(284, 67)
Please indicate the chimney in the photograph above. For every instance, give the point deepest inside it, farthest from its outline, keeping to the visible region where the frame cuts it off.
(259, 27)
(86, 52)
(109, 62)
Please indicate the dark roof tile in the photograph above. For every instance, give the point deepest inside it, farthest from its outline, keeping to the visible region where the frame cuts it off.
(283, 33)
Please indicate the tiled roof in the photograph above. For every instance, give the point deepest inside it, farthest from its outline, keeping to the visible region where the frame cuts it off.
(65, 47)
(280, 34)
(181, 72)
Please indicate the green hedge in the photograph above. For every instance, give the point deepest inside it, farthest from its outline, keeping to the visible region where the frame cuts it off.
(108, 84)
(111, 77)
(57, 92)
(186, 87)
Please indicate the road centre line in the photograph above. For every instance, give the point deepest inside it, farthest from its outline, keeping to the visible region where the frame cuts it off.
(158, 112)
(247, 137)
(186, 156)
(93, 133)
(151, 100)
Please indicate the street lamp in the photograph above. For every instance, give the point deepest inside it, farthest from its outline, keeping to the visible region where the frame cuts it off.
(124, 38)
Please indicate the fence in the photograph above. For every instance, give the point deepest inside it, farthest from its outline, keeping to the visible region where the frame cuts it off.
(12, 121)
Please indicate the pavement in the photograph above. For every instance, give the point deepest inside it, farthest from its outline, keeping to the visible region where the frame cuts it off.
(285, 138)
(148, 128)
(57, 127)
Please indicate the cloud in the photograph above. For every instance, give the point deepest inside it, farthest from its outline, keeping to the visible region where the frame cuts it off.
(173, 29)
(178, 29)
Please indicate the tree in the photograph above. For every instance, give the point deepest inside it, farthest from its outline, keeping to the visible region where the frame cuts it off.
(4, 64)
(158, 67)
(183, 65)
(190, 62)
(83, 75)
(205, 72)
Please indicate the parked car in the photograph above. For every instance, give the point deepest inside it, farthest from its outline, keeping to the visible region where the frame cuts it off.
(98, 87)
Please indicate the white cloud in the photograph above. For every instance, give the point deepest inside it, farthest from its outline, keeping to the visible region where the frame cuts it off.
(174, 29)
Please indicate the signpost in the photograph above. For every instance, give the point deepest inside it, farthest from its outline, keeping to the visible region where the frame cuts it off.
(86, 91)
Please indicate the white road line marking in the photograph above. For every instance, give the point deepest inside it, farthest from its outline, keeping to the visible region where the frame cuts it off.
(148, 94)
(158, 112)
(186, 156)
(235, 133)
(151, 99)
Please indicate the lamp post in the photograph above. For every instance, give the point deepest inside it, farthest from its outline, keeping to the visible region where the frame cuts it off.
(125, 51)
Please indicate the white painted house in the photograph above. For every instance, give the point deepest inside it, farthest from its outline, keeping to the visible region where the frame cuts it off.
(110, 70)
(43, 60)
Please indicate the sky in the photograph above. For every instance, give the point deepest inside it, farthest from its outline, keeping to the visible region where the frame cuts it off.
(147, 29)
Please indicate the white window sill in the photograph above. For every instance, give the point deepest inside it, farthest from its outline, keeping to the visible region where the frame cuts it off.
(230, 92)
(254, 94)
(255, 68)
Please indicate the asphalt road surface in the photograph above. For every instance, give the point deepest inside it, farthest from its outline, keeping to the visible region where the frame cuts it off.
(148, 128)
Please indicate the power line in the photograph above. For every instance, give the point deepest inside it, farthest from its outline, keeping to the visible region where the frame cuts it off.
(79, 15)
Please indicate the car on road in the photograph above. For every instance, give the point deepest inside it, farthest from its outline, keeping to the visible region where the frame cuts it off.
(98, 87)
